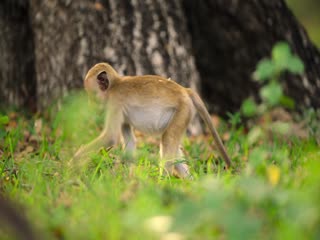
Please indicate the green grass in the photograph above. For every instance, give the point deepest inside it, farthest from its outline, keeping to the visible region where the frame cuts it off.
(272, 192)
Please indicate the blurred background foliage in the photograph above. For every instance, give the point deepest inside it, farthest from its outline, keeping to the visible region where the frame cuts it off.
(307, 11)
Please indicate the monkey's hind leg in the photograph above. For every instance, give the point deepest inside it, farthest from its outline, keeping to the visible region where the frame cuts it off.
(170, 146)
(129, 139)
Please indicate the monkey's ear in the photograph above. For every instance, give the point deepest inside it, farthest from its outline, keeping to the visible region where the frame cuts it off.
(103, 81)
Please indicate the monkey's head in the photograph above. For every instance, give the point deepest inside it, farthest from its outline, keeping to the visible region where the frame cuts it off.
(98, 80)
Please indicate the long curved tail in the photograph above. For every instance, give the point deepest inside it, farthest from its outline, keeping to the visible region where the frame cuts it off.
(203, 112)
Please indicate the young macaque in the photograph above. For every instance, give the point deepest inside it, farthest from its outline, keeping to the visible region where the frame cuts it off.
(150, 104)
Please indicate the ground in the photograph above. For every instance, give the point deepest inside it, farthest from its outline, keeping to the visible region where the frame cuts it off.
(270, 192)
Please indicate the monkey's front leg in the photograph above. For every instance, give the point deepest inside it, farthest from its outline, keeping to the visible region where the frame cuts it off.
(82, 156)
(108, 137)
(104, 140)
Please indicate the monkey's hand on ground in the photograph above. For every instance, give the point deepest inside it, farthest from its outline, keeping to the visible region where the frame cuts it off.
(80, 158)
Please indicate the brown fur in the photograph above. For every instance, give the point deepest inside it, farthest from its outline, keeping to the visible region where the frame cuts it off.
(153, 105)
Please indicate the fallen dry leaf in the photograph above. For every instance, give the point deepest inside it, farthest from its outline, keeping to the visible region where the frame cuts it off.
(226, 136)
(98, 6)
(64, 199)
(280, 114)
(20, 156)
(38, 126)
(13, 115)
(215, 120)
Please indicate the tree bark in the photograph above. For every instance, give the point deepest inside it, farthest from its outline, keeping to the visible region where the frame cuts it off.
(136, 37)
(230, 37)
(47, 46)
(17, 75)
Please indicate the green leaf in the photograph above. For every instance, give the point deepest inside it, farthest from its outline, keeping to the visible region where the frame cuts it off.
(265, 69)
(3, 133)
(272, 93)
(287, 102)
(257, 156)
(281, 54)
(249, 108)
(234, 118)
(295, 65)
(4, 120)
(254, 135)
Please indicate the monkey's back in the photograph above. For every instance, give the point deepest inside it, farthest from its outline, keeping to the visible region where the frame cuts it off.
(152, 88)
(151, 101)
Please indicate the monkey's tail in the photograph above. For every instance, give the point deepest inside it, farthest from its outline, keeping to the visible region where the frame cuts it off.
(202, 110)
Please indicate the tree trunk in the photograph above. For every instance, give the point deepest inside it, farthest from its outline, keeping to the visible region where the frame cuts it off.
(229, 38)
(136, 37)
(222, 40)
(17, 75)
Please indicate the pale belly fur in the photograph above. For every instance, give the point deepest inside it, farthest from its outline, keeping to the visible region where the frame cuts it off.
(150, 120)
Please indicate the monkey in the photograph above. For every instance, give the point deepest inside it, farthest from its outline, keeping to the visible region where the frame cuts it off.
(151, 104)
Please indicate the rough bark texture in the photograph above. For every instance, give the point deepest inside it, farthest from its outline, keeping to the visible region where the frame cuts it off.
(17, 75)
(48, 45)
(136, 37)
(230, 36)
